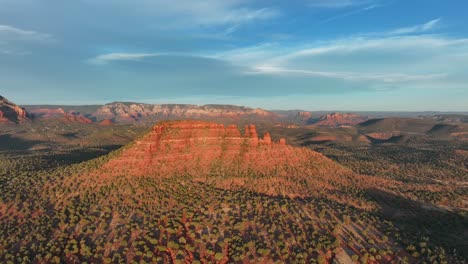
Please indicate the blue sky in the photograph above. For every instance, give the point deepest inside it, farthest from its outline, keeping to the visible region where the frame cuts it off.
(391, 55)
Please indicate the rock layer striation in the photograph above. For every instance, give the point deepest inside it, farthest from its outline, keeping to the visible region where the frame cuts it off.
(197, 148)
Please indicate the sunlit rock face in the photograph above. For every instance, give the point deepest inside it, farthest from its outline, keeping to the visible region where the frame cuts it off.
(10, 112)
(224, 157)
(197, 148)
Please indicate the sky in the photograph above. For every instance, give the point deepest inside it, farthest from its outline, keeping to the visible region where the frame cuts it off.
(357, 55)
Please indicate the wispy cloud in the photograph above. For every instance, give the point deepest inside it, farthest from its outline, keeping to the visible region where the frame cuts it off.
(189, 14)
(351, 13)
(349, 76)
(106, 58)
(338, 3)
(10, 33)
(377, 60)
(423, 28)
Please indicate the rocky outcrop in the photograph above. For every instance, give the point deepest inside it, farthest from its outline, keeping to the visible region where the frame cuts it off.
(131, 112)
(303, 115)
(381, 136)
(10, 112)
(364, 139)
(338, 119)
(47, 113)
(224, 157)
(198, 147)
(76, 118)
(106, 122)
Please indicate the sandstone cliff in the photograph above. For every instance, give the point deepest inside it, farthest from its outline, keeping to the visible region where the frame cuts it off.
(226, 158)
(194, 147)
(10, 112)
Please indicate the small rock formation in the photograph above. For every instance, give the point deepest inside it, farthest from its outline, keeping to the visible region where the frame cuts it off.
(10, 112)
(106, 122)
(338, 119)
(48, 113)
(76, 118)
(266, 140)
(364, 139)
(303, 116)
(381, 136)
(282, 141)
(251, 132)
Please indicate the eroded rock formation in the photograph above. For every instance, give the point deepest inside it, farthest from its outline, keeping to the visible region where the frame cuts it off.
(223, 157)
(10, 112)
(76, 118)
(198, 147)
(339, 119)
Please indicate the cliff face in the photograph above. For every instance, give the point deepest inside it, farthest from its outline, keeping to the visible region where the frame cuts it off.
(131, 112)
(10, 112)
(195, 147)
(226, 158)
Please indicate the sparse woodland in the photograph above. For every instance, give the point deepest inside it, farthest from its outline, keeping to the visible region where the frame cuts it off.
(59, 212)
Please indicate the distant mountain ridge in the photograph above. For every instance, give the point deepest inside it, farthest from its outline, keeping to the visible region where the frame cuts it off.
(124, 112)
(338, 119)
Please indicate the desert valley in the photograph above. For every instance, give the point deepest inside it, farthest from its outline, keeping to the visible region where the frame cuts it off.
(171, 183)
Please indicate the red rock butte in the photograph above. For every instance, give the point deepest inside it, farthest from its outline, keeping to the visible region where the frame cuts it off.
(199, 148)
(220, 155)
(10, 112)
